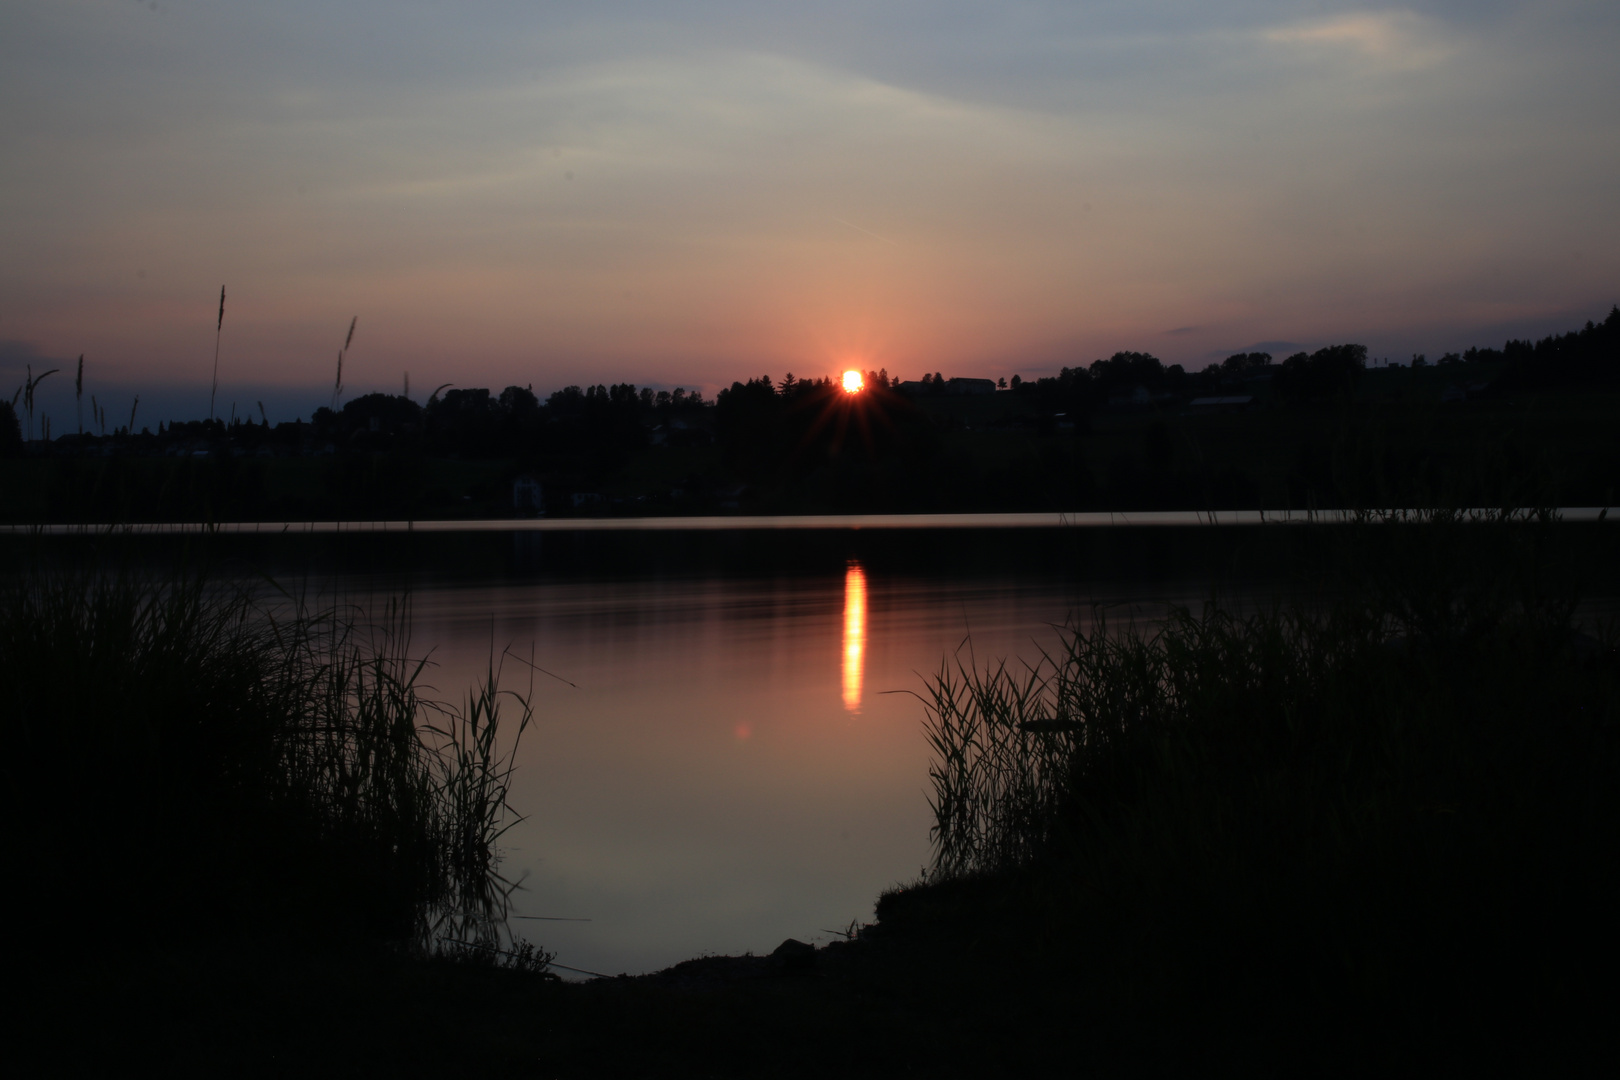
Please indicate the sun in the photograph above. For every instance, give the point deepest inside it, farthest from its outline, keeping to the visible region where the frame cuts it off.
(853, 382)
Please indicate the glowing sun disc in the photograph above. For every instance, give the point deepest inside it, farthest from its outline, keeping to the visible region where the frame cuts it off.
(853, 381)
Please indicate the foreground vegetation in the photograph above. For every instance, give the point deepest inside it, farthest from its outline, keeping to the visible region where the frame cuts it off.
(1374, 822)
(197, 764)
(1368, 827)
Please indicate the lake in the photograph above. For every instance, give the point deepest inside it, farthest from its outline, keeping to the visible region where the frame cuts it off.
(728, 749)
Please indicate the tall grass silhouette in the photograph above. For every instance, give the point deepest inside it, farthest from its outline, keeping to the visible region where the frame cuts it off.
(1388, 799)
(219, 327)
(337, 382)
(246, 764)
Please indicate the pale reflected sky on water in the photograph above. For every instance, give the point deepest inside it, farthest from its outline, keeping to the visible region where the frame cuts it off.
(732, 765)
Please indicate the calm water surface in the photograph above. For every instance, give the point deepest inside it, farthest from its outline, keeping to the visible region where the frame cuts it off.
(736, 756)
(738, 760)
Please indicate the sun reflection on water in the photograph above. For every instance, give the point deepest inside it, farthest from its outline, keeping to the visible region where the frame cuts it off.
(854, 635)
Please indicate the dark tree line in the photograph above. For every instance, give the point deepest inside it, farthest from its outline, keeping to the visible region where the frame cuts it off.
(763, 424)
(808, 445)
(1329, 374)
(1588, 357)
(1126, 378)
(811, 440)
(477, 423)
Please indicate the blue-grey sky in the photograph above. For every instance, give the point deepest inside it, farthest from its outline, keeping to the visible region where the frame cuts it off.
(687, 193)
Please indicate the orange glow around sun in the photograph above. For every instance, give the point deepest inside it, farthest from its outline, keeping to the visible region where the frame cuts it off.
(853, 382)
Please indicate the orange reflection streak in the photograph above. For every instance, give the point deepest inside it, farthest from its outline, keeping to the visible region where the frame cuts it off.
(854, 635)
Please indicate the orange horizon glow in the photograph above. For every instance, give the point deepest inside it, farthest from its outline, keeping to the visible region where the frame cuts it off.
(854, 635)
(681, 237)
(853, 382)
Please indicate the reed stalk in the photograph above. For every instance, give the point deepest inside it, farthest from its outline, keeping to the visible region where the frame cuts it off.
(29, 389)
(219, 327)
(337, 383)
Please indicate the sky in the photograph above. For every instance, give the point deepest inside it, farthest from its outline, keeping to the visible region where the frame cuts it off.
(683, 194)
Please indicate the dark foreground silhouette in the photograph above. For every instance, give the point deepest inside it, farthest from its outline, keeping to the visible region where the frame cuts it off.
(966, 982)
(1366, 831)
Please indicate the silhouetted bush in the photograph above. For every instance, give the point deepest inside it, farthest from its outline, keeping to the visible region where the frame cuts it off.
(1326, 375)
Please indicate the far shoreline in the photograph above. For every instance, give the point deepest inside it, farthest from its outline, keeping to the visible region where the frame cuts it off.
(753, 522)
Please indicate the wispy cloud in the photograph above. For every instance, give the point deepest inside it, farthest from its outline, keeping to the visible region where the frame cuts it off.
(1389, 39)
